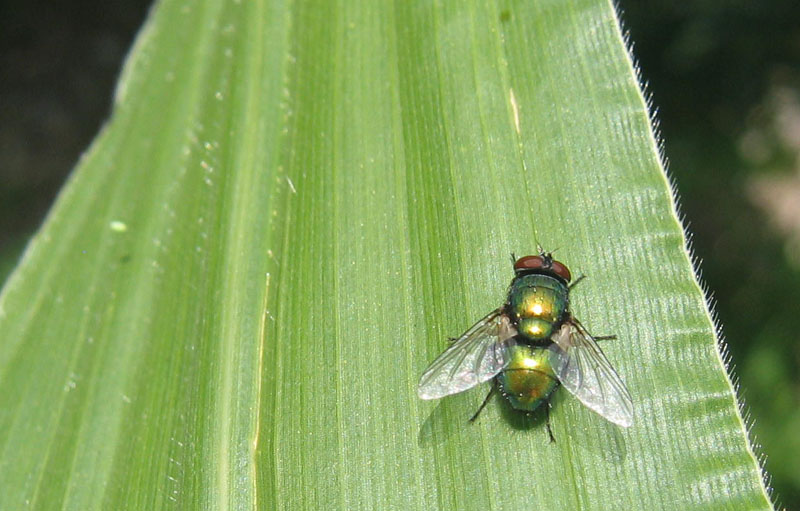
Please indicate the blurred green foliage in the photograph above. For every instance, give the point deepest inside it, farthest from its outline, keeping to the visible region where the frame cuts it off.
(59, 64)
(725, 77)
(10, 255)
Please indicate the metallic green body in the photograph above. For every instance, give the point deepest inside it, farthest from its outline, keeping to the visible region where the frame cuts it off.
(537, 305)
(528, 379)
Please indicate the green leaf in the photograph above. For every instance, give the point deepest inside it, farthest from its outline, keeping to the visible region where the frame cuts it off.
(291, 209)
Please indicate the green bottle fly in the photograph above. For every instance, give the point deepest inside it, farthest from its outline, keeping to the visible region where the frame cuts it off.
(528, 347)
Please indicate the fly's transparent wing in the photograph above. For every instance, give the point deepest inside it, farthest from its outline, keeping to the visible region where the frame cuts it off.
(473, 358)
(583, 370)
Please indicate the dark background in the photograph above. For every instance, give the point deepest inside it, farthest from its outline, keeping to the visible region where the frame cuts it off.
(724, 75)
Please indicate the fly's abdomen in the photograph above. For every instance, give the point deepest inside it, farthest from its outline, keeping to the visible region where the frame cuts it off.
(537, 303)
(528, 379)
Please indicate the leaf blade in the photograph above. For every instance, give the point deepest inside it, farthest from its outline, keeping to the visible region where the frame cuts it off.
(293, 207)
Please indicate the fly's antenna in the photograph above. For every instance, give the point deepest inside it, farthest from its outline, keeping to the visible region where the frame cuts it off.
(536, 239)
(539, 247)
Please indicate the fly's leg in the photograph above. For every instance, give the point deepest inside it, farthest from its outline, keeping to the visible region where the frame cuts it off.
(547, 422)
(513, 259)
(486, 400)
(605, 338)
(576, 282)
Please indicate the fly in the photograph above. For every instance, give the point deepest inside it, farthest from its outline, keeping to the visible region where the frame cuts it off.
(530, 345)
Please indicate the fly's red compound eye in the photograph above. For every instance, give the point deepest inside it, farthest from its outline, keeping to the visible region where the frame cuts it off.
(543, 263)
(529, 263)
(561, 270)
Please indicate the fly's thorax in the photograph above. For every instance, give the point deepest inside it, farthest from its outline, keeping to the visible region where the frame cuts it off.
(537, 304)
(528, 378)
